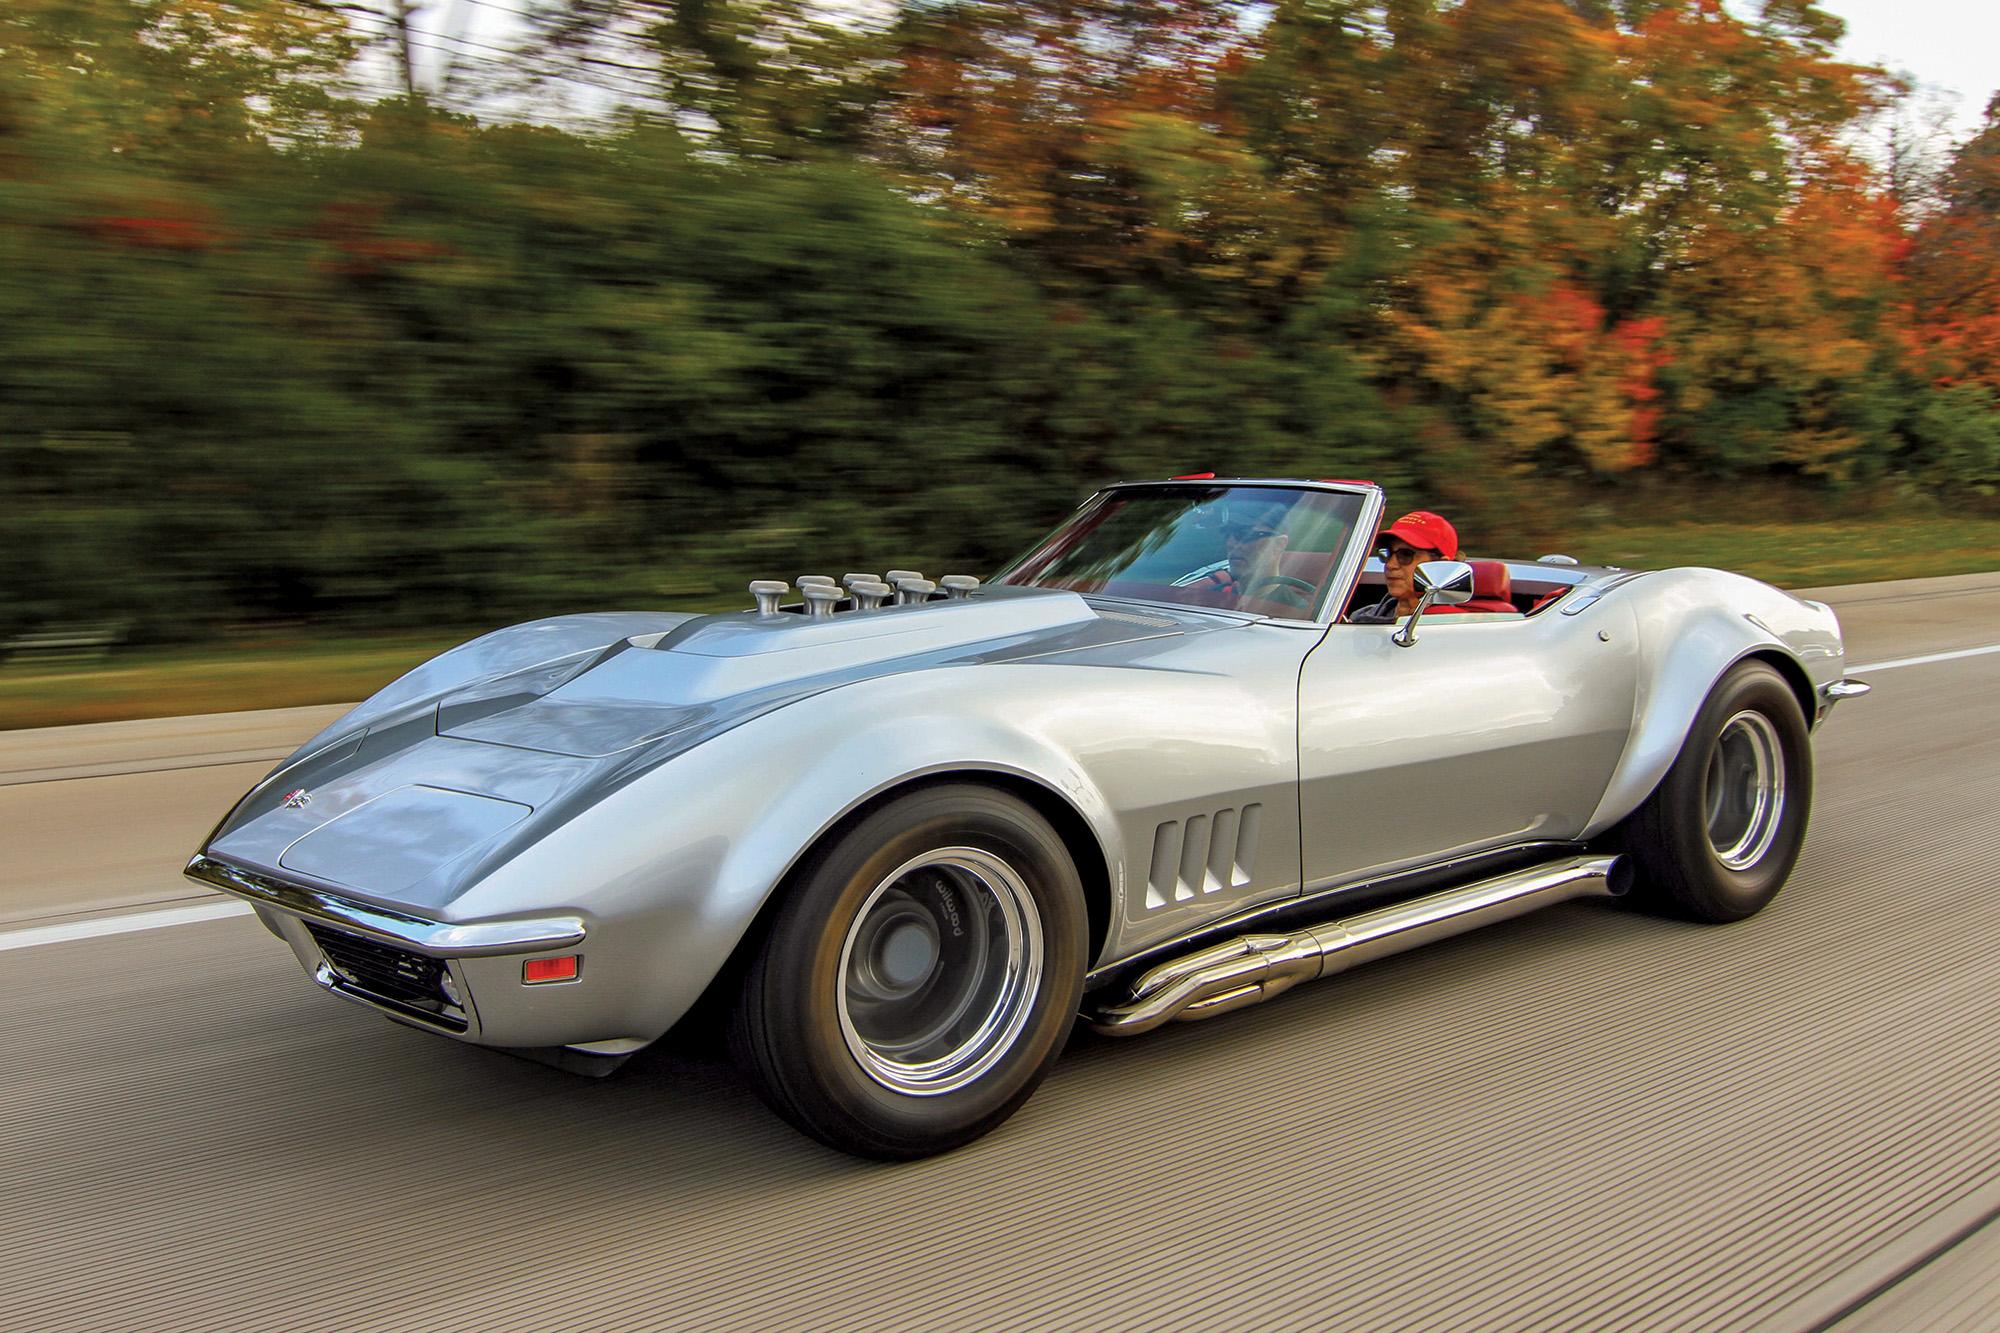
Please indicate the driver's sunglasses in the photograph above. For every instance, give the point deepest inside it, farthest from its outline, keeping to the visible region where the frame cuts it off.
(1402, 555)
(1244, 534)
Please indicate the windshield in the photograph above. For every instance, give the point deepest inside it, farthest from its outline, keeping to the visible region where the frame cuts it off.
(1264, 549)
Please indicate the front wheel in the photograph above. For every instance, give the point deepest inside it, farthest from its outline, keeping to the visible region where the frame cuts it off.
(1719, 836)
(921, 977)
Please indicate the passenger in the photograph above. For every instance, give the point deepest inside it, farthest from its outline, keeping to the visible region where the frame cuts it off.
(1412, 539)
(1253, 541)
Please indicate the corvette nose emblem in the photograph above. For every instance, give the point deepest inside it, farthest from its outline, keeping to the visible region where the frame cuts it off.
(298, 800)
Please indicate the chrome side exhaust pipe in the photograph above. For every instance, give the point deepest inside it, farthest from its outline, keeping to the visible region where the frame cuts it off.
(769, 593)
(1250, 969)
(958, 587)
(909, 592)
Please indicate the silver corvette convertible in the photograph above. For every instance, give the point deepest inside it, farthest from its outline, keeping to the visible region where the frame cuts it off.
(898, 835)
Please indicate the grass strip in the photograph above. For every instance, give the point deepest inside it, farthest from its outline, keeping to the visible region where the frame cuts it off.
(284, 673)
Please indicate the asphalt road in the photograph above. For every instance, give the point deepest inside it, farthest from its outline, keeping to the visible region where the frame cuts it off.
(1583, 1119)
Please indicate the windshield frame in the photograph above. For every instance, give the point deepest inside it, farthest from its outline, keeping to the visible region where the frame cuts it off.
(1346, 569)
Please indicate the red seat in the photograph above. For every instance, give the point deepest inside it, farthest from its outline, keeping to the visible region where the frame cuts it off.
(1306, 566)
(1492, 588)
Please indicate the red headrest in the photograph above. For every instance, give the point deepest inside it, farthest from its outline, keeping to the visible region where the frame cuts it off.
(1490, 581)
(1311, 566)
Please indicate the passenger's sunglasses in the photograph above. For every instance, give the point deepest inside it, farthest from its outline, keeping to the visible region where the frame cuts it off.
(1403, 555)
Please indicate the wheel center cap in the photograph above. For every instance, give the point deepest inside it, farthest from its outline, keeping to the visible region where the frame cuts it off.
(909, 952)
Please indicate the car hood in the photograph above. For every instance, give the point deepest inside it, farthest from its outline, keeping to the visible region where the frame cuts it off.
(408, 812)
(654, 686)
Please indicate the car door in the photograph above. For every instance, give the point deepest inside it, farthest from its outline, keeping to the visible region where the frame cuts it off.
(1487, 731)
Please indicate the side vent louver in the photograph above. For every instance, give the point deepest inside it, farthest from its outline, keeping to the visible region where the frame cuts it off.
(1207, 855)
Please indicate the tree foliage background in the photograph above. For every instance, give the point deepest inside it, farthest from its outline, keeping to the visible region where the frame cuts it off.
(734, 288)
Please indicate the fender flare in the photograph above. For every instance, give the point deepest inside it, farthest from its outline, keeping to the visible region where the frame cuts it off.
(1692, 637)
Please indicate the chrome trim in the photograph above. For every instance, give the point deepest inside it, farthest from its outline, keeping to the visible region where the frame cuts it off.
(1583, 601)
(1007, 983)
(1846, 689)
(439, 939)
(329, 978)
(1250, 969)
(1744, 790)
(1442, 583)
(820, 599)
(1333, 891)
(1348, 568)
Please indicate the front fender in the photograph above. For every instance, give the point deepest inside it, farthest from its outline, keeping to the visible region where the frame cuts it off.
(1693, 626)
(671, 869)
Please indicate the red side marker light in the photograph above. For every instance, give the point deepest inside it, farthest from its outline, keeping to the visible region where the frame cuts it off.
(537, 971)
(1194, 476)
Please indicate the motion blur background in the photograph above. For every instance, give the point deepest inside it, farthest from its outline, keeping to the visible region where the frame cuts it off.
(321, 321)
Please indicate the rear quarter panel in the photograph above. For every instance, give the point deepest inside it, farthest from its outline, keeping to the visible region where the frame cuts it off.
(1693, 626)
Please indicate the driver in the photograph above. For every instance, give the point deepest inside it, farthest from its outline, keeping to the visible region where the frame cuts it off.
(1412, 539)
(1253, 541)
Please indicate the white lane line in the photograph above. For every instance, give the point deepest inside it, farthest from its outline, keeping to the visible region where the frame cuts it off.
(1892, 664)
(182, 916)
(119, 925)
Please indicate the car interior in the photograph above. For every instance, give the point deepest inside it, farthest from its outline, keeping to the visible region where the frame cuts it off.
(1496, 589)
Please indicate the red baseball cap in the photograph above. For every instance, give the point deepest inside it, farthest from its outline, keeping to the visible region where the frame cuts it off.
(1425, 531)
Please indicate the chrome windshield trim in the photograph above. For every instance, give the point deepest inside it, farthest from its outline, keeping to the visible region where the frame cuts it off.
(1347, 569)
(440, 939)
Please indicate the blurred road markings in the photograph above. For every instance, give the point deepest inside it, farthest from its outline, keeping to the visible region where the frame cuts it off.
(117, 769)
(1926, 659)
(120, 925)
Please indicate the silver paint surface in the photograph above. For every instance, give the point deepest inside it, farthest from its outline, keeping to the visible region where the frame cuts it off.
(673, 768)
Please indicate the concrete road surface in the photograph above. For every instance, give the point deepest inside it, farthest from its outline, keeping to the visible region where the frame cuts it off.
(1584, 1119)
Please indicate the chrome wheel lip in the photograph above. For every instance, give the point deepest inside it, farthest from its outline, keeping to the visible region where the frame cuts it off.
(1758, 791)
(1019, 954)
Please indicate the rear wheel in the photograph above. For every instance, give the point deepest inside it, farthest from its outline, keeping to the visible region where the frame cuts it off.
(1719, 836)
(921, 978)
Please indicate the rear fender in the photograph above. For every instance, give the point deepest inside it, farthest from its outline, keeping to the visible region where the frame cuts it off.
(1693, 626)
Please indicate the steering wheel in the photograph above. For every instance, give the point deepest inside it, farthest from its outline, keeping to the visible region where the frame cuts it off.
(1272, 584)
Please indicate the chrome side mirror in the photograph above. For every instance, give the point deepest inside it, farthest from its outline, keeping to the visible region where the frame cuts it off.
(1441, 583)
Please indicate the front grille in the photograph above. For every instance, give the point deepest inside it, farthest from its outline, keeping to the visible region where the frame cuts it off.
(382, 971)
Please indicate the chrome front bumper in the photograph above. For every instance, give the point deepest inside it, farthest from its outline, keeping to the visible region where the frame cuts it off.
(460, 980)
(439, 939)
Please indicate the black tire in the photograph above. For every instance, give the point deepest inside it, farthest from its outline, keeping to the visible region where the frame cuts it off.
(1699, 844)
(878, 1016)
